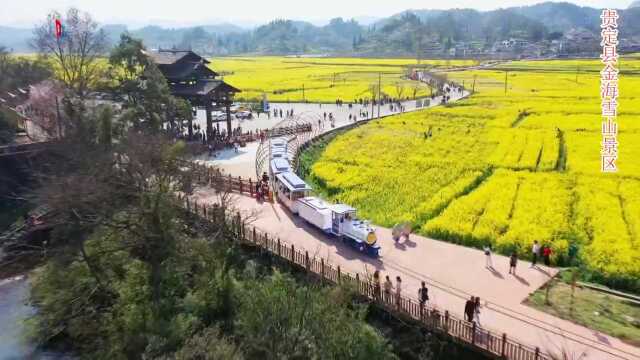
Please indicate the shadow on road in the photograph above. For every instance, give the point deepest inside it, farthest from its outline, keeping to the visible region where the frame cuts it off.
(521, 279)
(495, 272)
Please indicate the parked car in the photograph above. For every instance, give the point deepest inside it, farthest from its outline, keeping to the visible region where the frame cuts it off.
(244, 115)
(220, 117)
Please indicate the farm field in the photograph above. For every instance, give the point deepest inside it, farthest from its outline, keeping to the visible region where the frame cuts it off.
(505, 169)
(324, 79)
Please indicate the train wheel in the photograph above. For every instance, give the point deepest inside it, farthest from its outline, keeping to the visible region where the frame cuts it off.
(361, 248)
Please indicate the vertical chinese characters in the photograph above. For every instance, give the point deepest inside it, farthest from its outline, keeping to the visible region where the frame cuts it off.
(609, 90)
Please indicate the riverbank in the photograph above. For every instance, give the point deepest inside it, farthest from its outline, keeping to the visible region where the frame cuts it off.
(14, 312)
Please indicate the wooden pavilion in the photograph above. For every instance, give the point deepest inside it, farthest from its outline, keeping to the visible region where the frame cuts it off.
(190, 78)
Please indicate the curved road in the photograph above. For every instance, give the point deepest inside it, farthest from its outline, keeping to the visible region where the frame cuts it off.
(452, 272)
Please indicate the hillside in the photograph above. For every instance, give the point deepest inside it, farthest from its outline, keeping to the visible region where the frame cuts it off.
(421, 30)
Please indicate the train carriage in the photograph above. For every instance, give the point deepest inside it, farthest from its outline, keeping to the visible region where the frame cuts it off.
(339, 220)
(290, 188)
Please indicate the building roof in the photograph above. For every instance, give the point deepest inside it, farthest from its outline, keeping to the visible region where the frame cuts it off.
(201, 88)
(185, 69)
(167, 57)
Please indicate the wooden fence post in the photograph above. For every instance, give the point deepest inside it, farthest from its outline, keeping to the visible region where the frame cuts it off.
(339, 275)
(473, 333)
(240, 181)
(239, 225)
(279, 251)
(322, 267)
(537, 353)
(446, 321)
(306, 260)
(358, 283)
(293, 253)
(504, 344)
(253, 238)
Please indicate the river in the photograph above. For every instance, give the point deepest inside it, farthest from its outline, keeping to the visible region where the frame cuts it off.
(14, 310)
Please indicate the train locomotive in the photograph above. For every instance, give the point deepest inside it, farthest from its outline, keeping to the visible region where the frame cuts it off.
(338, 220)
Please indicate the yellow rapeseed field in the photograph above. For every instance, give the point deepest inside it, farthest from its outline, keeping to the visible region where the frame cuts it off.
(323, 79)
(505, 169)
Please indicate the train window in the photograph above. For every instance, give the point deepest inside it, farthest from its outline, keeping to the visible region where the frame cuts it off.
(297, 195)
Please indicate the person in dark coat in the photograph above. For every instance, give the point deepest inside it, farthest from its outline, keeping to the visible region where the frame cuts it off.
(469, 309)
(513, 261)
(423, 294)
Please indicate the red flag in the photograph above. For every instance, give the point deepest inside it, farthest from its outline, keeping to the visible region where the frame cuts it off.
(58, 28)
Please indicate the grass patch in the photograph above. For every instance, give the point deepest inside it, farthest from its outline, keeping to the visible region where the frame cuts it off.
(593, 309)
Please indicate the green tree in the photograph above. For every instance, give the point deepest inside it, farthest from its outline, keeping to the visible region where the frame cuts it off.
(128, 62)
(278, 319)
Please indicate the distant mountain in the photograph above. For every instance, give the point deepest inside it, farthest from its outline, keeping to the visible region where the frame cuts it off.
(405, 33)
(562, 16)
(15, 39)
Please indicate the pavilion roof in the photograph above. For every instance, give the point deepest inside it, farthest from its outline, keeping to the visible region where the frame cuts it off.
(184, 69)
(167, 57)
(202, 88)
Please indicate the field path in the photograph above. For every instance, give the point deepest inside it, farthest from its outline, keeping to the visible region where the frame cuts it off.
(452, 272)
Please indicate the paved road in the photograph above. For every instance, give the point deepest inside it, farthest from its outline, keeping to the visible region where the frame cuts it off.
(453, 273)
(243, 163)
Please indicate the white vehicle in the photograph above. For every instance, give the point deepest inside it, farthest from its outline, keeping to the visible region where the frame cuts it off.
(336, 219)
(220, 117)
(279, 166)
(243, 115)
(316, 212)
(290, 188)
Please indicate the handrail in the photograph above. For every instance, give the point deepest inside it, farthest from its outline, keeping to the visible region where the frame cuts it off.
(469, 333)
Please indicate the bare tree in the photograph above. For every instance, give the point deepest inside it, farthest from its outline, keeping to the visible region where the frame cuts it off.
(41, 109)
(76, 52)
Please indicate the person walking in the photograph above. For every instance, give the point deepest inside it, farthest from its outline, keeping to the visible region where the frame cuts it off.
(546, 255)
(476, 310)
(423, 296)
(376, 285)
(398, 290)
(487, 255)
(388, 286)
(513, 261)
(469, 309)
(535, 252)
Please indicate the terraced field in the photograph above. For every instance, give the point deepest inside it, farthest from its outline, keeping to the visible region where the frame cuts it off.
(505, 168)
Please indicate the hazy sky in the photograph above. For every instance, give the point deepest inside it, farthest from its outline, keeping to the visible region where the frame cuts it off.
(243, 12)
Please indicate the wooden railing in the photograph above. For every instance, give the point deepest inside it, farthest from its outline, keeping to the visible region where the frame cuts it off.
(495, 344)
(288, 130)
(211, 176)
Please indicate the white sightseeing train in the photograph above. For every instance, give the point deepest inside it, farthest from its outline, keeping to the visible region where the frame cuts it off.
(335, 219)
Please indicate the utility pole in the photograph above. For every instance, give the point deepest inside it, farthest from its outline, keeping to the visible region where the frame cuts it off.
(303, 98)
(379, 90)
(473, 89)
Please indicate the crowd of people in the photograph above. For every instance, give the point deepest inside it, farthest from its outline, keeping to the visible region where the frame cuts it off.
(262, 187)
